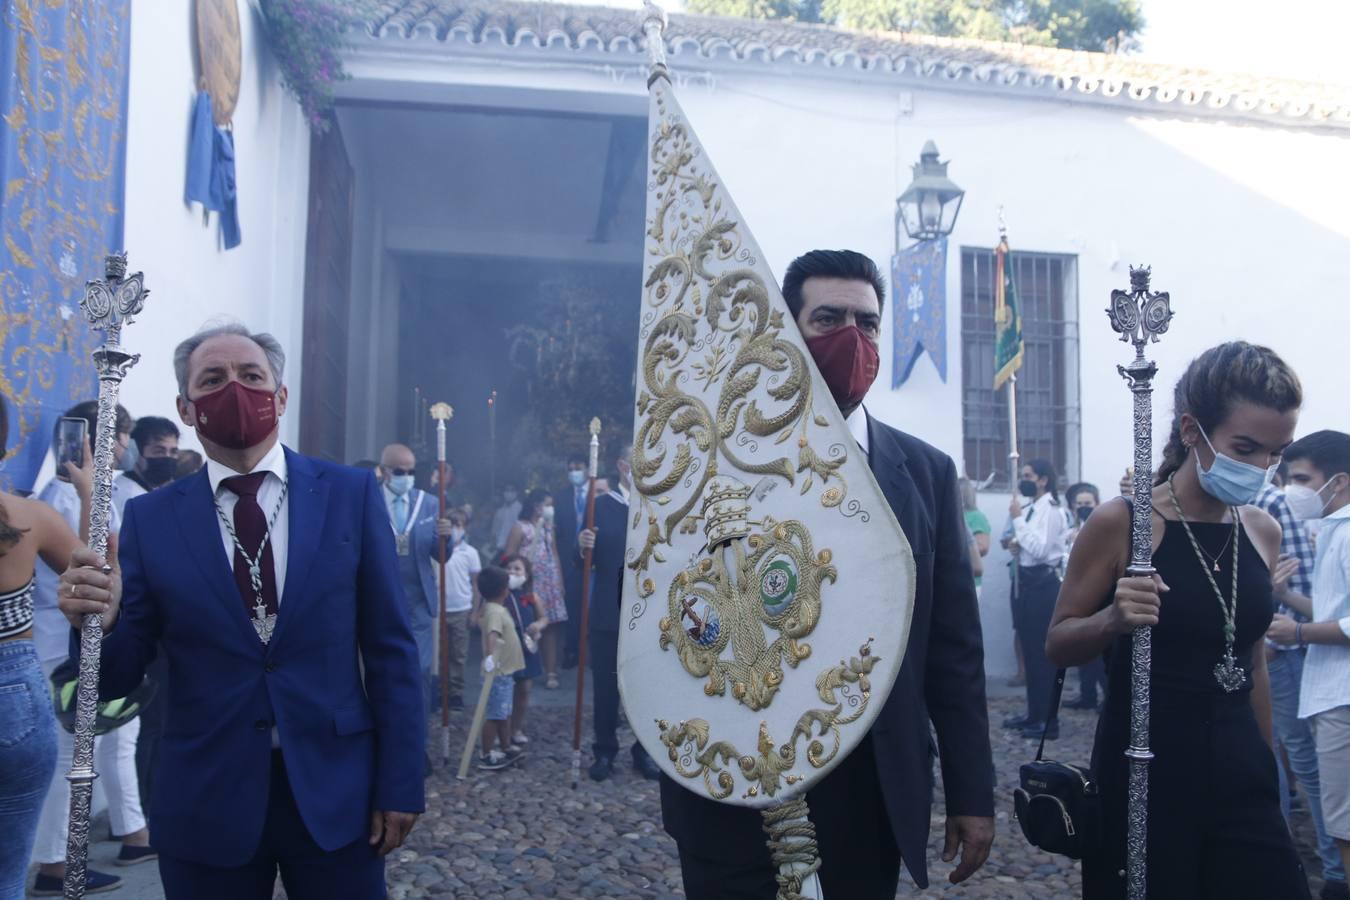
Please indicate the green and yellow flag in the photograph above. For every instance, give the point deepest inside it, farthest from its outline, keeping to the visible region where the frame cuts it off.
(1007, 318)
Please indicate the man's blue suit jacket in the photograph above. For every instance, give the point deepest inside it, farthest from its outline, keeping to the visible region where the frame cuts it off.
(352, 743)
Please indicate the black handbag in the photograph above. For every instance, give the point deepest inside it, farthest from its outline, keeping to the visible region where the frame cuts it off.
(1058, 805)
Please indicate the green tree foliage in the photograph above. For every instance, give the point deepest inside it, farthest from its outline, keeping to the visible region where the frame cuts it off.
(1106, 25)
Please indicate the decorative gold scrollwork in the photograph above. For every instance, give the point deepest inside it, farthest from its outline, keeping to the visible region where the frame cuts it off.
(710, 326)
(695, 755)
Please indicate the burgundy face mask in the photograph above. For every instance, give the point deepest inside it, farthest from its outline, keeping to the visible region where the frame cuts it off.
(848, 361)
(236, 416)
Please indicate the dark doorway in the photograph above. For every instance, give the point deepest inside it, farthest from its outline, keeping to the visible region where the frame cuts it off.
(556, 341)
(328, 255)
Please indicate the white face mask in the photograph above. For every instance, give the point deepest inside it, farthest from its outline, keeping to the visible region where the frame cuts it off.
(548, 513)
(1305, 503)
(516, 582)
(456, 534)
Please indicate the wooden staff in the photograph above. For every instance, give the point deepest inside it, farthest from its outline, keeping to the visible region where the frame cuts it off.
(442, 413)
(586, 556)
(475, 729)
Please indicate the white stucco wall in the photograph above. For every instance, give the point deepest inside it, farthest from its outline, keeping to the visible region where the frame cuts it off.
(191, 277)
(1248, 227)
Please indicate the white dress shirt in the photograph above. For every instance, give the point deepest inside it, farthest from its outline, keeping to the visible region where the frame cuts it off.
(1042, 531)
(857, 426)
(1326, 670)
(274, 464)
(123, 489)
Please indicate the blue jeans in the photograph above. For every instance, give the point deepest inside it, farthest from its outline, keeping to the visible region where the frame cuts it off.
(1295, 735)
(27, 759)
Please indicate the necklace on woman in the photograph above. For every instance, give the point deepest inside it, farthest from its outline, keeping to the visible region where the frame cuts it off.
(1227, 672)
(1214, 558)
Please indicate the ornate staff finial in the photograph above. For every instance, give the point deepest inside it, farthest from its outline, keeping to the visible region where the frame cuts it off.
(1140, 315)
(595, 426)
(114, 300)
(442, 412)
(653, 21)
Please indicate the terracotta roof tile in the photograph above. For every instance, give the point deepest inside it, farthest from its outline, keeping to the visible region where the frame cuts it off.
(1047, 70)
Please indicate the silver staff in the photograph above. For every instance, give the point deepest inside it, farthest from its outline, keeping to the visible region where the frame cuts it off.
(1140, 316)
(109, 304)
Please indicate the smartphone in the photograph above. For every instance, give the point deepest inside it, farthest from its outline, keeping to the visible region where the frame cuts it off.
(71, 437)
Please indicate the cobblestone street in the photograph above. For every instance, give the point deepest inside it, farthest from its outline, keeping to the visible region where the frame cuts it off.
(525, 833)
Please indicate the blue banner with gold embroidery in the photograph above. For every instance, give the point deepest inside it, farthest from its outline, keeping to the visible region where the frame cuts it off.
(63, 91)
(919, 308)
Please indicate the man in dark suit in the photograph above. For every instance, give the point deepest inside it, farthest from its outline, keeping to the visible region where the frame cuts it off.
(269, 581)
(609, 540)
(569, 504)
(873, 811)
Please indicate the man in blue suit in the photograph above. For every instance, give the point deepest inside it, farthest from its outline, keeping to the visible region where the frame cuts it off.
(418, 531)
(294, 723)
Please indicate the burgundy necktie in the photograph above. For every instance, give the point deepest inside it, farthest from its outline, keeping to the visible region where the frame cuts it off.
(250, 525)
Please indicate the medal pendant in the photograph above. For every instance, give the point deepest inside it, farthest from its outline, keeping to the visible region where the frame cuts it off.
(1227, 673)
(263, 625)
(403, 544)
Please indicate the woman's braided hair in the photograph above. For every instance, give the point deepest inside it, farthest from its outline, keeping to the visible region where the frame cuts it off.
(1218, 379)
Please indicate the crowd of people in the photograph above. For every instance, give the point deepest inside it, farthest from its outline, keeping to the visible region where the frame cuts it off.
(270, 657)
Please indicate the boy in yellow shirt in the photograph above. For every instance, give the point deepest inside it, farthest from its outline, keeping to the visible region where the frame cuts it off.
(502, 657)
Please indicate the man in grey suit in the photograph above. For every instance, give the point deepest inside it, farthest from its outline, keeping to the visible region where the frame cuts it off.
(418, 528)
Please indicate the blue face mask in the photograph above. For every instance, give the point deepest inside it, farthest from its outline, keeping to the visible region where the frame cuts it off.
(577, 477)
(400, 484)
(1232, 482)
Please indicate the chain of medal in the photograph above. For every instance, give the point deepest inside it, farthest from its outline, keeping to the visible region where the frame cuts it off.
(1227, 672)
(263, 622)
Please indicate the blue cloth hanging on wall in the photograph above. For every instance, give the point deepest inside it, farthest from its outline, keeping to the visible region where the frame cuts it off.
(210, 170)
(63, 93)
(919, 308)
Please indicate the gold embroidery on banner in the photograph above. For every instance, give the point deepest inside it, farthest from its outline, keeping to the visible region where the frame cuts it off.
(708, 325)
(695, 755)
(777, 586)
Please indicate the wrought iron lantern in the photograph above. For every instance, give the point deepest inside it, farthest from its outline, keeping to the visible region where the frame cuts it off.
(928, 207)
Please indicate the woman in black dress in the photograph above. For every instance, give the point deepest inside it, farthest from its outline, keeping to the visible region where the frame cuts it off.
(1214, 823)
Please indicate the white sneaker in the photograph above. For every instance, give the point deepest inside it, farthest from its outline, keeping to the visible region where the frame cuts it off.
(492, 761)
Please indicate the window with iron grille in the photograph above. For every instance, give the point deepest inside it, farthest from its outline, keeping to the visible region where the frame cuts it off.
(1048, 413)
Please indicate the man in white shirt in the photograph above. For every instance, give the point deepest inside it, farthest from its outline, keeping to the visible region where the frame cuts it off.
(505, 516)
(1041, 532)
(1319, 488)
(156, 442)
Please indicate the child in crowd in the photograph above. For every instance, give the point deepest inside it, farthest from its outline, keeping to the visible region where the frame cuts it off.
(502, 658)
(530, 623)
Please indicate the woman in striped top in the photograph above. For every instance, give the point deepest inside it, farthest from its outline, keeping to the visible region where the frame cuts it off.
(28, 529)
